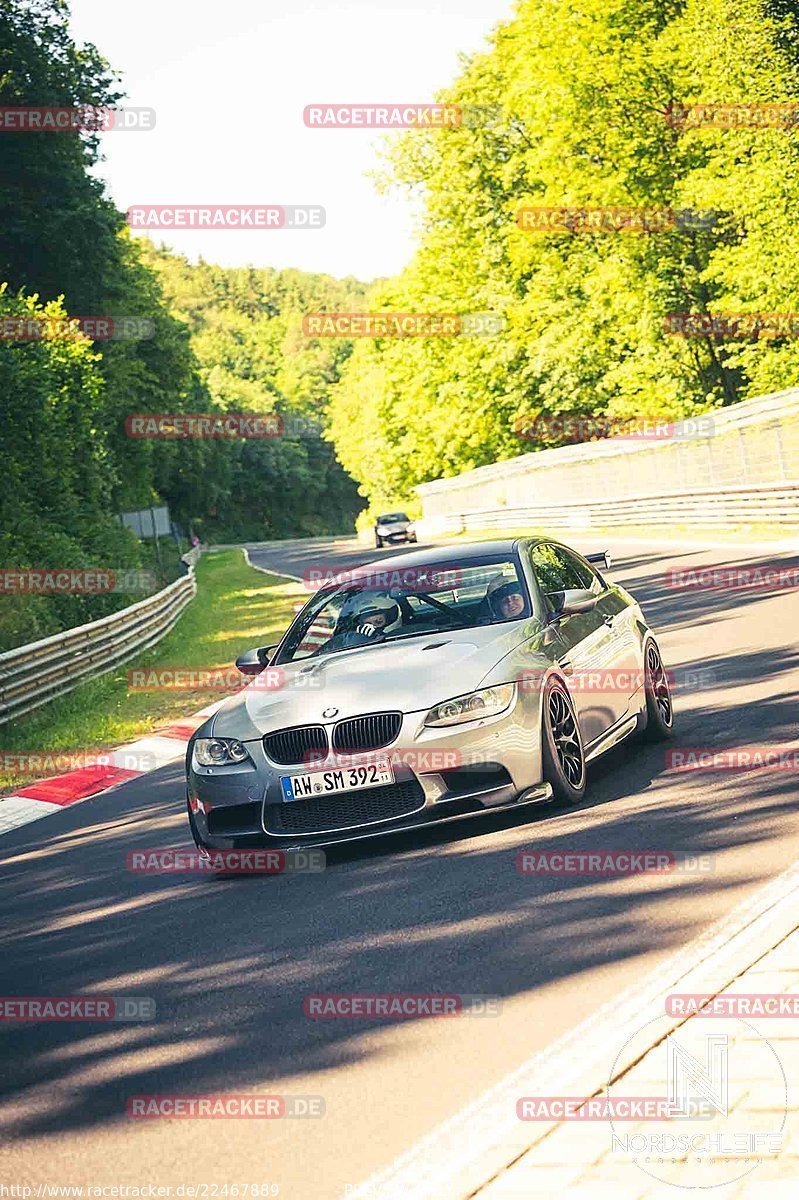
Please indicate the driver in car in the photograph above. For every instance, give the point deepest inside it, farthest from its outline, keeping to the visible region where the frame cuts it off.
(369, 619)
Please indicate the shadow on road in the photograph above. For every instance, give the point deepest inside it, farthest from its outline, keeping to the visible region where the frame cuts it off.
(229, 963)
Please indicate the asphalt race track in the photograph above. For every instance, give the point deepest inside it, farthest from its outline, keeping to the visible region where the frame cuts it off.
(228, 962)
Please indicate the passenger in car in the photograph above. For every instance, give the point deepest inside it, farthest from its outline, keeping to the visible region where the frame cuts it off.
(507, 601)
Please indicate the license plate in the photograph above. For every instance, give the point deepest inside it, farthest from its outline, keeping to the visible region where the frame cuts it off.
(344, 779)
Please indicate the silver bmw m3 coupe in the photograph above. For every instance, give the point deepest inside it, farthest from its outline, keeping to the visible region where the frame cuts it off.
(434, 686)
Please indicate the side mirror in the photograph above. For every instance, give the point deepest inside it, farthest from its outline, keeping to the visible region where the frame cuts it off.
(571, 602)
(252, 662)
(602, 557)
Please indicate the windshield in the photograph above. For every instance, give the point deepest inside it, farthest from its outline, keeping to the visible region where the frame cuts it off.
(404, 603)
(391, 517)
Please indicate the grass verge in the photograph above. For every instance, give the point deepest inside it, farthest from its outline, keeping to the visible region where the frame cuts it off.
(236, 607)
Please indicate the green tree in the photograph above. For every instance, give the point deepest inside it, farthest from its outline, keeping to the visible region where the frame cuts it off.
(577, 103)
(58, 229)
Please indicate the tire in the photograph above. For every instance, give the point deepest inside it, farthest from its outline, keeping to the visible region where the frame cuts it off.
(378, 543)
(659, 706)
(412, 539)
(562, 752)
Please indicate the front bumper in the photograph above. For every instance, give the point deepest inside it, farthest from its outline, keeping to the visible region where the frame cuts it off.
(442, 774)
(397, 538)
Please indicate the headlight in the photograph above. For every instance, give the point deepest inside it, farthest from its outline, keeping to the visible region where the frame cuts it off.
(218, 752)
(381, 529)
(487, 703)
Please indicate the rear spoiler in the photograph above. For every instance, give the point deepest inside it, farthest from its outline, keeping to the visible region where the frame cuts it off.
(602, 557)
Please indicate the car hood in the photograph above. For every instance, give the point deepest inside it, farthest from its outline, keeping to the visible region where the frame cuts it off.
(409, 675)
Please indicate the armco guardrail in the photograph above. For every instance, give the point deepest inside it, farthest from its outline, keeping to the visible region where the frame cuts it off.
(742, 468)
(778, 505)
(34, 674)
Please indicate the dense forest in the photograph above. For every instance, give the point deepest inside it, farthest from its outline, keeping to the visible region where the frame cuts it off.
(585, 106)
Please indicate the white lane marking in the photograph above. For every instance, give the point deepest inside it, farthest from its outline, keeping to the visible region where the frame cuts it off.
(267, 570)
(154, 751)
